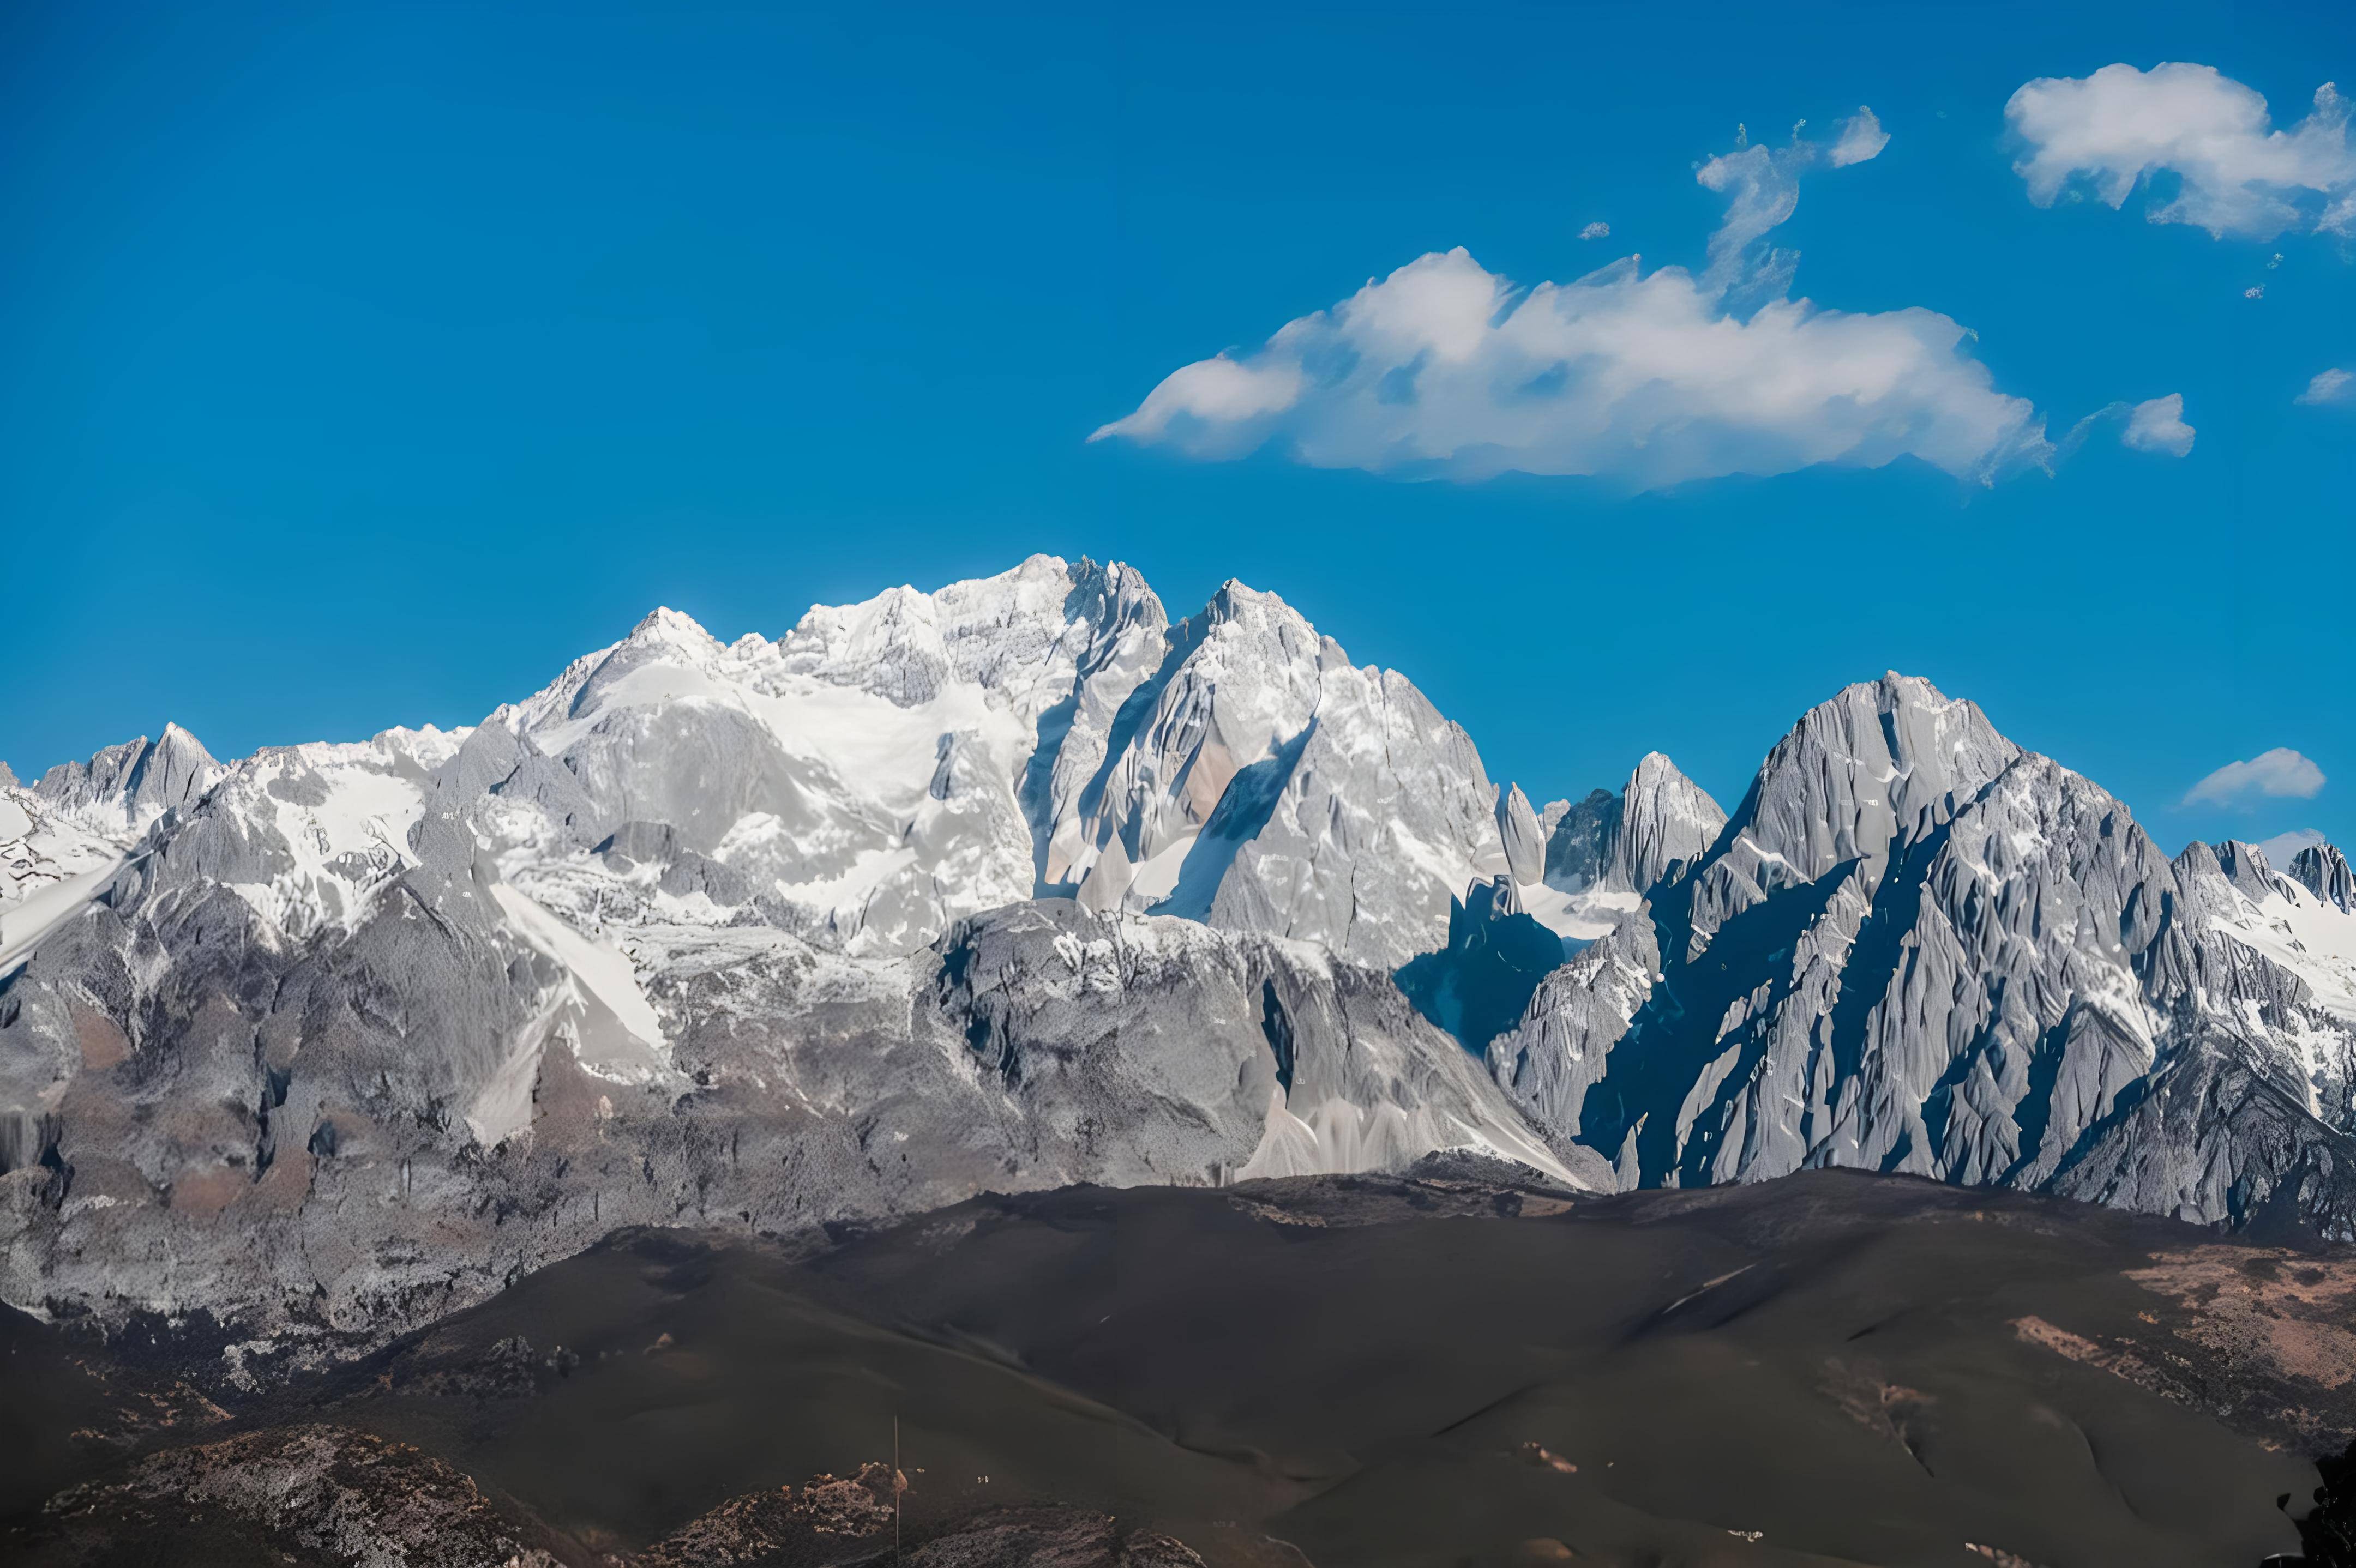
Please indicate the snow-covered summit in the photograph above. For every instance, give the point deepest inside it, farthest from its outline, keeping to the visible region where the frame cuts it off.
(888, 767)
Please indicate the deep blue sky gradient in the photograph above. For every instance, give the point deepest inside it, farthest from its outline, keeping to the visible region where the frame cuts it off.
(363, 364)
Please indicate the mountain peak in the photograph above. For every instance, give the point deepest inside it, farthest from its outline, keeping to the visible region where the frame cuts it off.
(665, 624)
(1236, 597)
(1666, 821)
(1525, 840)
(2323, 871)
(1878, 765)
(2245, 865)
(125, 787)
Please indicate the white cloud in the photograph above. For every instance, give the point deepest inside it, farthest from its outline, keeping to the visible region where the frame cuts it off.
(1650, 378)
(2159, 426)
(2280, 850)
(2281, 774)
(2236, 173)
(2155, 425)
(2333, 386)
(1862, 137)
(1596, 231)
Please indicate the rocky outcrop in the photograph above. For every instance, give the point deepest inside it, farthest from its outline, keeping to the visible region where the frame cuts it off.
(2323, 871)
(325, 1495)
(827, 1518)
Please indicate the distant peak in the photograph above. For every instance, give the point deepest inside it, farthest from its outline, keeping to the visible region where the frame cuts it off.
(666, 624)
(1665, 818)
(2323, 871)
(2233, 851)
(179, 742)
(2244, 864)
(132, 784)
(1239, 601)
(1911, 691)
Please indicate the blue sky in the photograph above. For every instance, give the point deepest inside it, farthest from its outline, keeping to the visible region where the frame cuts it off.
(364, 365)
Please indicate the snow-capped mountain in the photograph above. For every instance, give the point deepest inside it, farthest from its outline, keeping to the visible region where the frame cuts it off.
(1020, 883)
(887, 768)
(1012, 884)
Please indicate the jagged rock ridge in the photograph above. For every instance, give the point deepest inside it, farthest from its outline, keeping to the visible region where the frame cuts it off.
(1916, 947)
(1020, 883)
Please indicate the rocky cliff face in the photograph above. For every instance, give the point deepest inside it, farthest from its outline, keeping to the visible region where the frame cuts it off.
(124, 788)
(1916, 947)
(1020, 883)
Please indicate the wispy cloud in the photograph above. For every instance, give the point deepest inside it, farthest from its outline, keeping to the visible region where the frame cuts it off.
(2329, 387)
(2279, 775)
(2237, 175)
(1644, 377)
(2155, 424)
(1862, 137)
(2283, 847)
(1598, 231)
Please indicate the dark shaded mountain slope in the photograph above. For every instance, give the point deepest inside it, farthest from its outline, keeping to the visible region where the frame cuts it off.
(1828, 1369)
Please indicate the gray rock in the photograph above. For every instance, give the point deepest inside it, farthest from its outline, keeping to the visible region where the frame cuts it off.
(2323, 872)
(1660, 821)
(1666, 821)
(125, 787)
(1917, 948)
(1524, 841)
(1582, 840)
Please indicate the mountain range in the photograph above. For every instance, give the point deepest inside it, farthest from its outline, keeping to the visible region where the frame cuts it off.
(1020, 884)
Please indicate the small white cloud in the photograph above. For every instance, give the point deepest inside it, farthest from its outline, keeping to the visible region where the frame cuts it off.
(2283, 847)
(1861, 138)
(2257, 293)
(1444, 367)
(2236, 173)
(1214, 394)
(1596, 231)
(2279, 775)
(2274, 261)
(2159, 426)
(2333, 386)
